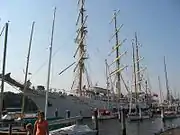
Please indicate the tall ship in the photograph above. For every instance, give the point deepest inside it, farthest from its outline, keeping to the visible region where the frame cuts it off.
(85, 97)
(142, 97)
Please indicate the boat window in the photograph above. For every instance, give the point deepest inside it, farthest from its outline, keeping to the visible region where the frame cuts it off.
(49, 104)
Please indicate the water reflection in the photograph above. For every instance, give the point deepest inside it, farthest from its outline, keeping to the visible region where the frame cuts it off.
(146, 127)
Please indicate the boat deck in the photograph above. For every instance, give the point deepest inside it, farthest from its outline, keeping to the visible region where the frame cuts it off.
(15, 131)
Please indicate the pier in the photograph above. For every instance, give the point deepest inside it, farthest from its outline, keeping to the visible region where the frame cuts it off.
(171, 131)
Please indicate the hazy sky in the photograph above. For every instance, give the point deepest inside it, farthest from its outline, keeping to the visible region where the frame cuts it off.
(156, 22)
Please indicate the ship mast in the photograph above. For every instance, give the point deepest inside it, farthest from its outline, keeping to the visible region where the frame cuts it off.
(146, 91)
(27, 67)
(49, 66)
(4, 66)
(134, 70)
(107, 81)
(117, 55)
(116, 48)
(149, 84)
(137, 62)
(137, 70)
(166, 77)
(80, 41)
(160, 90)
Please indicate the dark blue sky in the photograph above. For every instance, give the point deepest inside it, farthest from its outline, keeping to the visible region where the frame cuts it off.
(156, 22)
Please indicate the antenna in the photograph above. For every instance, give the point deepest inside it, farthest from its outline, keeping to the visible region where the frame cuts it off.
(116, 48)
(81, 49)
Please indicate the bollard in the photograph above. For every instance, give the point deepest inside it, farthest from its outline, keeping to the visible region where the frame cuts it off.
(123, 121)
(10, 129)
(81, 120)
(95, 121)
(80, 113)
(119, 115)
(162, 115)
(68, 114)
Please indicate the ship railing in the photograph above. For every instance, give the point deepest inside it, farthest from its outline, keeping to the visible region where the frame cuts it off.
(67, 120)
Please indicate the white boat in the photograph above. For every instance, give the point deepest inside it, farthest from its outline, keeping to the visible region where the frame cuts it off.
(104, 114)
(17, 115)
(169, 109)
(170, 114)
(62, 102)
(133, 117)
(74, 130)
(136, 117)
(107, 117)
(138, 98)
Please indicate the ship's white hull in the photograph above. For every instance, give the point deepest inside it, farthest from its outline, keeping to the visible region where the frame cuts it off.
(72, 103)
(76, 105)
(137, 117)
(169, 114)
(106, 117)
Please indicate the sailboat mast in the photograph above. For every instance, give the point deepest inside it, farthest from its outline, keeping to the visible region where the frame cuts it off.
(117, 49)
(146, 90)
(166, 78)
(49, 66)
(117, 54)
(27, 67)
(107, 81)
(81, 51)
(134, 70)
(4, 66)
(81, 33)
(138, 66)
(160, 90)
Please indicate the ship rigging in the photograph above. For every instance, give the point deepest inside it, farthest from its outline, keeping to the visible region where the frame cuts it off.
(116, 48)
(81, 52)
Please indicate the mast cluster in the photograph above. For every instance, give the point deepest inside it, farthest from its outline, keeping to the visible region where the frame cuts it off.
(116, 48)
(136, 67)
(80, 52)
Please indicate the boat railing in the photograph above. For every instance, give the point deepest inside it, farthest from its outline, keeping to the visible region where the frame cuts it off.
(67, 120)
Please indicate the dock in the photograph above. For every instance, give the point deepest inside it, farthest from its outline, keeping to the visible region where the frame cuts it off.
(171, 131)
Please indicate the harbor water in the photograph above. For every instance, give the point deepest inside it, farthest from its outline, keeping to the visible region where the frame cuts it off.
(146, 127)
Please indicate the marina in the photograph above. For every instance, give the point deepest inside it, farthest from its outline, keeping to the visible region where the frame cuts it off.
(125, 94)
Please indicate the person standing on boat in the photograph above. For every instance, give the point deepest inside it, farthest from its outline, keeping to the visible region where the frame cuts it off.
(41, 125)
